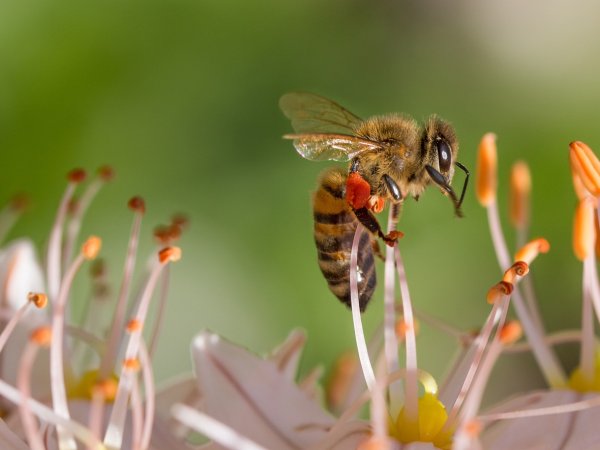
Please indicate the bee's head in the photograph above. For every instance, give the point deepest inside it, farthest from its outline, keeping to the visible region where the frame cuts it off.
(439, 148)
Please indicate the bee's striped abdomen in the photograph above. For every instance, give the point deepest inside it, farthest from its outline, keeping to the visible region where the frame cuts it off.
(335, 225)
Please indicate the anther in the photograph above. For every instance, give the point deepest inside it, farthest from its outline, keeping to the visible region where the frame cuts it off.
(181, 220)
(499, 290)
(169, 254)
(106, 173)
(38, 299)
(98, 268)
(529, 251)
(107, 388)
(137, 204)
(133, 325)
(511, 332)
(91, 247)
(584, 232)
(132, 364)
(42, 336)
(520, 189)
(518, 269)
(76, 175)
(473, 428)
(585, 164)
(486, 181)
(402, 327)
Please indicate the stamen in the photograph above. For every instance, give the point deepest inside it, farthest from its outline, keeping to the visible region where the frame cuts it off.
(486, 180)
(520, 190)
(511, 332)
(402, 328)
(411, 388)
(517, 270)
(585, 164)
(169, 254)
(137, 205)
(38, 299)
(91, 247)
(12, 323)
(499, 291)
(106, 173)
(149, 396)
(340, 382)
(584, 232)
(77, 176)
(42, 336)
(131, 364)
(532, 249)
(134, 325)
(9, 214)
(361, 345)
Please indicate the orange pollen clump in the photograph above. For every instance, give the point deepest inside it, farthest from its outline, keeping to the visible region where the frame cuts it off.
(520, 188)
(106, 173)
(518, 269)
(486, 178)
(38, 299)
(586, 165)
(91, 247)
(134, 325)
(511, 332)
(584, 231)
(402, 327)
(107, 389)
(169, 254)
(76, 175)
(131, 364)
(137, 204)
(42, 336)
(376, 203)
(529, 251)
(498, 290)
(358, 191)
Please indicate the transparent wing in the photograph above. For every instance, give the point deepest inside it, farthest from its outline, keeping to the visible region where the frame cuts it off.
(323, 146)
(312, 113)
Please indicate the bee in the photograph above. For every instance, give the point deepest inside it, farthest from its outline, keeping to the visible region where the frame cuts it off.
(391, 157)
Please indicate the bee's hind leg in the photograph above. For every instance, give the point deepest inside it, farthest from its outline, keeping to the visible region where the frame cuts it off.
(368, 220)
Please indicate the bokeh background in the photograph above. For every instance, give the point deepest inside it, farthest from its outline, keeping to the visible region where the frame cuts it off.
(180, 97)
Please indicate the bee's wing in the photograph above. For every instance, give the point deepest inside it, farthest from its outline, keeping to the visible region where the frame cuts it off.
(322, 146)
(312, 113)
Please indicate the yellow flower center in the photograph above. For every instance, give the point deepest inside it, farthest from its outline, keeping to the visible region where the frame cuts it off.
(88, 383)
(429, 425)
(581, 383)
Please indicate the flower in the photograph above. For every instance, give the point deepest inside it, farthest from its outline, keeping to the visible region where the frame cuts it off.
(83, 392)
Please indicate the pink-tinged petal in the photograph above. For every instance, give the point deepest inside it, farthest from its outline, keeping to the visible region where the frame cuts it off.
(567, 431)
(20, 273)
(163, 438)
(420, 446)
(9, 440)
(287, 355)
(348, 435)
(253, 397)
(179, 390)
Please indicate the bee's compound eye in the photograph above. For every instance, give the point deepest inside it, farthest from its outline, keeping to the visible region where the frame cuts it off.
(444, 154)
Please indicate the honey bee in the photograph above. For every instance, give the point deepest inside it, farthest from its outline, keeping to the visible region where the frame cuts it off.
(390, 157)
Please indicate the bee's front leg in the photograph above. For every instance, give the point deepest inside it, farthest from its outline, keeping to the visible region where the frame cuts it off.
(358, 196)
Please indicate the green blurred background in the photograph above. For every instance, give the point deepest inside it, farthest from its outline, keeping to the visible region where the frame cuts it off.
(181, 98)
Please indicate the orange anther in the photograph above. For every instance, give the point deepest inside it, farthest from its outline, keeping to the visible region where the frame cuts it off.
(169, 254)
(586, 165)
(511, 332)
(42, 336)
(486, 177)
(107, 389)
(76, 175)
(134, 325)
(518, 269)
(473, 428)
(137, 204)
(91, 247)
(343, 372)
(520, 189)
(402, 327)
(131, 364)
(20, 202)
(499, 290)
(38, 299)
(584, 232)
(529, 251)
(181, 220)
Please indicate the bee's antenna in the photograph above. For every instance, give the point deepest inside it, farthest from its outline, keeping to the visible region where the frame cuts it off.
(439, 179)
(464, 189)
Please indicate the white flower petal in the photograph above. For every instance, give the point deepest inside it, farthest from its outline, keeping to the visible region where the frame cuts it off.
(253, 397)
(179, 390)
(9, 440)
(567, 431)
(20, 273)
(287, 355)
